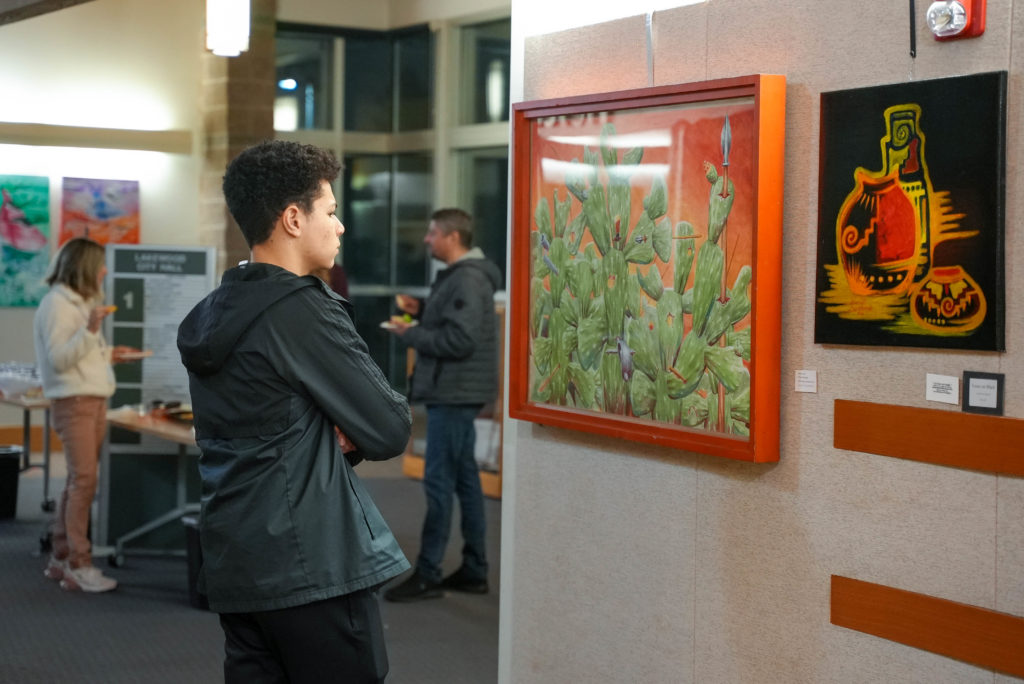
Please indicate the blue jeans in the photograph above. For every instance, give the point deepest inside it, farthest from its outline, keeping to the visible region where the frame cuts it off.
(450, 468)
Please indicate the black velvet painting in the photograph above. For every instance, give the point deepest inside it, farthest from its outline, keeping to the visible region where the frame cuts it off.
(910, 235)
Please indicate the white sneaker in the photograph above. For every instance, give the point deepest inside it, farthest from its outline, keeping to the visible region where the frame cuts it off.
(87, 578)
(55, 568)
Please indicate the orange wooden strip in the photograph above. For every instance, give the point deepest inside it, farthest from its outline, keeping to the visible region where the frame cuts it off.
(766, 324)
(962, 440)
(413, 466)
(975, 635)
(491, 484)
(13, 434)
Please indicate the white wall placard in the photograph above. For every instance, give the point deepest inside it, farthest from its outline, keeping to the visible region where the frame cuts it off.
(807, 381)
(942, 388)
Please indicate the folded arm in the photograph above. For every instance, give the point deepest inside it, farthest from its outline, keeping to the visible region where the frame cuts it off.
(332, 363)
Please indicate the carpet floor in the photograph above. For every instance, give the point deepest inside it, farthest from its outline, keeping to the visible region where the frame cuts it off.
(146, 630)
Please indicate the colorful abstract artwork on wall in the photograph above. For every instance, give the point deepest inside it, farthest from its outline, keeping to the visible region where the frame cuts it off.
(910, 235)
(24, 239)
(106, 211)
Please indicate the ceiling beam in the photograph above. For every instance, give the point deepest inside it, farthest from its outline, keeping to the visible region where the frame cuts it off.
(16, 10)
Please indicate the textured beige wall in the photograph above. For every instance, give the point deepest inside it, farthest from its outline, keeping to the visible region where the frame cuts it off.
(629, 563)
(104, 64)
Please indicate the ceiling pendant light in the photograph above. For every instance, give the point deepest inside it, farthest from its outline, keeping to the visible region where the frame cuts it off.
(227, 27)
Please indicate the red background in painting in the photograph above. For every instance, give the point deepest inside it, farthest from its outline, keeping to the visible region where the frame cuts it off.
(694, 135)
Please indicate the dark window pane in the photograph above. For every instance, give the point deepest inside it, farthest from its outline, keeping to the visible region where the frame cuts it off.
(304, 82)
(368, 83)
(484, 175)
(366, 243)
(414, 187)
(414, 53)
(486, 56)
(386, 351)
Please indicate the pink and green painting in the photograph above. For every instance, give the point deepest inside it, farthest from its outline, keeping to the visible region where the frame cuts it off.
(24, 239)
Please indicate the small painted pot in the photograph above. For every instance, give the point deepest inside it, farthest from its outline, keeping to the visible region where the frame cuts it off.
(948, 300)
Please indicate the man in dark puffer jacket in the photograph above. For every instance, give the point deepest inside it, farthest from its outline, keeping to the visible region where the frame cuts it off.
(456, 373)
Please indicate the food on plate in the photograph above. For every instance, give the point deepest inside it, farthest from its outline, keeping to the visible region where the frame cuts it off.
(396, 321)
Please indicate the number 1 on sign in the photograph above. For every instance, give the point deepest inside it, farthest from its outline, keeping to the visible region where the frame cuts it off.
(128, 298)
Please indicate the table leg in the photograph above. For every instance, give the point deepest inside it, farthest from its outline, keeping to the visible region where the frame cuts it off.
(26, 439)
(182, 507)
(182, 473)
(102, 518)
(48, 503)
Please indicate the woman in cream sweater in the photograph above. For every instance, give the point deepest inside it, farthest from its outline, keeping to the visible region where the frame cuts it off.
(74, 363)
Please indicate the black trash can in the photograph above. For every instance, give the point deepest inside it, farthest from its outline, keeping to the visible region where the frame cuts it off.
(10, 468)
(195, 561)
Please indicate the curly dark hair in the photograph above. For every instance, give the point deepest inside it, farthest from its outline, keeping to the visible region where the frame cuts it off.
(264, 179)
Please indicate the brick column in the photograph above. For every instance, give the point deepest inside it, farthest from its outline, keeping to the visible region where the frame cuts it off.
(237, 104)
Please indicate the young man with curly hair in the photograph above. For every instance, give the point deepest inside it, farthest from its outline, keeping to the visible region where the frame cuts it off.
(286, 401)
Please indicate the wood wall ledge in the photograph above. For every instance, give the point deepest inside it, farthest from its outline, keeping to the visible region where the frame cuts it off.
(170, 141)
(974, 635)
(950, 438)
(15, 434)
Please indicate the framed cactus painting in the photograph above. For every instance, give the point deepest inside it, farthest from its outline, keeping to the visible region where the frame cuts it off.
(646, 265)
(910, 214)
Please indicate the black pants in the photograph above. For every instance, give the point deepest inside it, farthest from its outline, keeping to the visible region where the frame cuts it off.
(336, 640)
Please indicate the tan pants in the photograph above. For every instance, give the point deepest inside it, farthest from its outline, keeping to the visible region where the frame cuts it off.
(81, 424)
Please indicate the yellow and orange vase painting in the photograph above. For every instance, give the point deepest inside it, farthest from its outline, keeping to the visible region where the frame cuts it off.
(910, 236)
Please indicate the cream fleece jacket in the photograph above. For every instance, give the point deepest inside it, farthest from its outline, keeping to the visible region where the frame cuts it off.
(70, 359)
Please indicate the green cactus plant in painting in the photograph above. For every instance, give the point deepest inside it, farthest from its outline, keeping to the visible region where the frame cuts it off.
(607, 333)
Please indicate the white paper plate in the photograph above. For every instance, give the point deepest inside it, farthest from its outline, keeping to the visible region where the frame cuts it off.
(388, 325)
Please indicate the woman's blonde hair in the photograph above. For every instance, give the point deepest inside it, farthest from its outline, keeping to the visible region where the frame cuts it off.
(77, 266)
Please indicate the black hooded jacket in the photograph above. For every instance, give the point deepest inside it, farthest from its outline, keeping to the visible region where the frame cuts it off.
(274, 365)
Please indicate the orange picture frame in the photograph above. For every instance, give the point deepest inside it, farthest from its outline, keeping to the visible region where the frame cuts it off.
(645, 293)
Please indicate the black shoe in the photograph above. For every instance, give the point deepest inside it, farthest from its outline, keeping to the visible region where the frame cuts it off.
(416, 588)
(460, 580)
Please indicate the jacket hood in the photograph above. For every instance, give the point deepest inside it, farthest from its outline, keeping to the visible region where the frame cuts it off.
(475, 259)
(209, 333)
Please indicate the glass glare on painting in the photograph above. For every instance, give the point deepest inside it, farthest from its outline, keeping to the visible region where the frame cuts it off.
(910, 252)
(641, 268)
